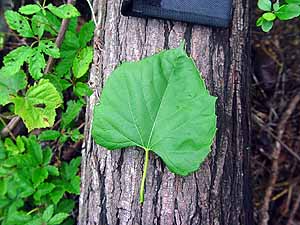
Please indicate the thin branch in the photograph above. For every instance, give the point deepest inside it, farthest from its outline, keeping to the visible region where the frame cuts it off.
(264, 212)
(294, 210)
(59, 39)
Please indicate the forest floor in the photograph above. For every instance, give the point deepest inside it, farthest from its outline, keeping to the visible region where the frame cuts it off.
(275, 120)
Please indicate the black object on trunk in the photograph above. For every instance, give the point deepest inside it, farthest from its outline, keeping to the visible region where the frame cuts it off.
(207, 12)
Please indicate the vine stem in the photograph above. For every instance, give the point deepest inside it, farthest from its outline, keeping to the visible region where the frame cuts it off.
(142, 188)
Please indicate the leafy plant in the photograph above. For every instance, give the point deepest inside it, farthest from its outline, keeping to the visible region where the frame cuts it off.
(40, 23)
(31, 189)
(35, 186)
(287, 10)
(159, 104)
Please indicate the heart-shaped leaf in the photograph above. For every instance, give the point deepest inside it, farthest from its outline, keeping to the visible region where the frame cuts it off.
(161, 105)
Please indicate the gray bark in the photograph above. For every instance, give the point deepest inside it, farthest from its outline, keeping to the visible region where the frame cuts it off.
(218, 194)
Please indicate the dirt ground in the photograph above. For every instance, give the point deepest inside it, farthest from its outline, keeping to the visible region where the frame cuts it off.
(275, 121)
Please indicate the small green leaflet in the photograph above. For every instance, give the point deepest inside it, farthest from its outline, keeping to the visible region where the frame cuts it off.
(288, 11)
(11, 84)
(37, 64)
(49, 48)
(65, 11)
(15, 59)
(265, 5)
(82, 61)
(38, 25)
(160, 104)
(19, 23)
(30, 9)
(37, 108)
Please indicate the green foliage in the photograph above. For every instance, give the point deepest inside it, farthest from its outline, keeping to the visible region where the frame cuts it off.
(34, 184)
(285, 10)
(37, 107)
(27, 176)
(38, 110)
(161, 105)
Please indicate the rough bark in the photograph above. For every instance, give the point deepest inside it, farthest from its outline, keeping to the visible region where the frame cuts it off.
(218, 194)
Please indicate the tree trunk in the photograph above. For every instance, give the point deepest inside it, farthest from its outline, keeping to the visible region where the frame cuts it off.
(219, 192)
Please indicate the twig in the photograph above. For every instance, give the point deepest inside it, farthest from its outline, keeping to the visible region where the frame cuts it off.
(294, 210)
(7, 130)
(293, 153)
(59, 39)
(264, 212)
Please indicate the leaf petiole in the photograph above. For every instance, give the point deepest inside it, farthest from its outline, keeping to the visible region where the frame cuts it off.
(142, 188)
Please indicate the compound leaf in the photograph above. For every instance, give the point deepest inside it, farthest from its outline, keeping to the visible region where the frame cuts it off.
(160, 104)
(37, 108)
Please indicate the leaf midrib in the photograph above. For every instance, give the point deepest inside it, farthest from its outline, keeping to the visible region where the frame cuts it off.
(159, 107)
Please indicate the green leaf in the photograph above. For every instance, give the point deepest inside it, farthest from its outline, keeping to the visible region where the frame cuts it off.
(30, 9)
(10, 147)
(265, 5)
(49, 48)
(267, 25)
(70, 43)
(76, 135)
(38, 24)
(259, 21)
(15, 59)
(53, 24)
(49, 135)
(52, 170)
(37, 108)
(37, 64)
(3, 186)
(159, 104)
(287, 12)
(39, 175)
(43, 189)
(82, 62)
(35, 149)
(293, 1)
(82, 89)
(47, 156)
(48, 213)
(86, 33)
(70, 170)
(73, 110)
(66, 205)
(19, 23)
(74, 186)
(2, 151)
(269, 16)
(60, 84)
(57, 194)
(276, 6)
(65, 11)
(10, 84)
(58, 218)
